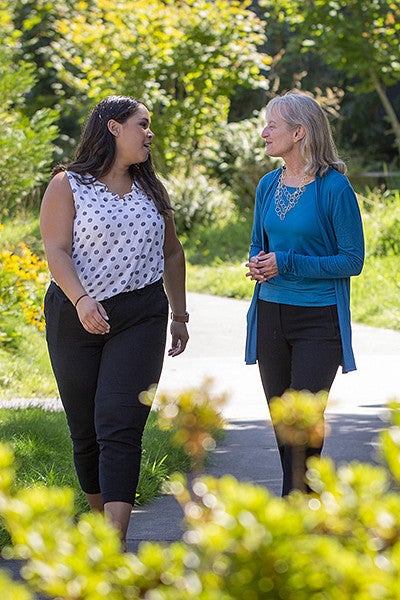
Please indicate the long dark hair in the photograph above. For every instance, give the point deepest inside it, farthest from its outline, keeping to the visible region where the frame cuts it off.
(95, 153)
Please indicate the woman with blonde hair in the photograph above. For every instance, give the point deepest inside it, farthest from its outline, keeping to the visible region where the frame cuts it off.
(307, 241)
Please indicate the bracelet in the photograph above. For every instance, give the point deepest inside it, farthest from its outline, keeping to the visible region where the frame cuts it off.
(80, 298)
(180, 318)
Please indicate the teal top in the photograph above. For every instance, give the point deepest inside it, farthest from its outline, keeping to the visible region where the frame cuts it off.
(299, 230)
(340, 255)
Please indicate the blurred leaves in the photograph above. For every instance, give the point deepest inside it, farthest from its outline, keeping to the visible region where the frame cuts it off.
(299, 417)
(194, 417)
(340, 542)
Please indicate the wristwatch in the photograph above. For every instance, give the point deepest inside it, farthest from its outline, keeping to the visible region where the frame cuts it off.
(180, 318)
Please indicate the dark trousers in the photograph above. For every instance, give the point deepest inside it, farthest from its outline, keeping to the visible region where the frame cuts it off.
(299, 348)
(100, 378)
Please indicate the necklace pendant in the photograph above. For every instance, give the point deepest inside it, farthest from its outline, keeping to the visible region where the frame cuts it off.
(292, 198)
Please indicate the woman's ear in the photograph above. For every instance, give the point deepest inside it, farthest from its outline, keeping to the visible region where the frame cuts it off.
(113, 127)
(299, 133)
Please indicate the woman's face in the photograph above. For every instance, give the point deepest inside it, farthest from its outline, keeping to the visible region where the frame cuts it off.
(133, 137)
(279, 139)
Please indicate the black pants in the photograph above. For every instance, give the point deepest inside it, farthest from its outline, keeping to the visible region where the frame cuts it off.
(100, 378)
(299, 348)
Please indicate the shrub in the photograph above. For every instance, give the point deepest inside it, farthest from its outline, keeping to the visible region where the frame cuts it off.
(26, 143)
(382, 223)
(236, 158)
(23, 279)
(342, 542)
(196, 199)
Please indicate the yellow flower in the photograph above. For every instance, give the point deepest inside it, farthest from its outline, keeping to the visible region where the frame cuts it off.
(23, 279)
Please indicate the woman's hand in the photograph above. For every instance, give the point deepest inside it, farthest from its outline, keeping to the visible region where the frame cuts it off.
(93, 316)
(262, 267)
(180, 338)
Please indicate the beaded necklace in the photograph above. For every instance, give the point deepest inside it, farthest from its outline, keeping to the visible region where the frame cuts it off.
(285, 200)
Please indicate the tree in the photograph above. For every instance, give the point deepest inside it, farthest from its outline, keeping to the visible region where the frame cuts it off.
(183, 59)
(359, 38)
(25, 141)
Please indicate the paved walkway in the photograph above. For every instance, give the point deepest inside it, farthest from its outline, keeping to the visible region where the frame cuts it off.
(216, 350)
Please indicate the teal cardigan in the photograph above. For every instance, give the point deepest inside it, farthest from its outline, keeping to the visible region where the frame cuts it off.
(339, 217)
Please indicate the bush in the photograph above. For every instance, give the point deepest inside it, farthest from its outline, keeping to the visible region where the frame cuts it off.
(382, 223)
(25, 143)
(23, 280)
(342, 542)
(196, 199)
(236, 158)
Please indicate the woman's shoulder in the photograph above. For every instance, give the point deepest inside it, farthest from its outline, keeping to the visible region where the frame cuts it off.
(58, 189)
(334, 179)
(59, 180)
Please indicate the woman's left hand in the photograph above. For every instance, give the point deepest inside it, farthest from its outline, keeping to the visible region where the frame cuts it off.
(262, 267)
(180, 338)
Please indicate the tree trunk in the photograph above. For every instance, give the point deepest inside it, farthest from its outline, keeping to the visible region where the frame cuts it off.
(393, 119)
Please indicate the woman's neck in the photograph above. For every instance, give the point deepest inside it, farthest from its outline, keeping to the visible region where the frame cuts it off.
(295, 174)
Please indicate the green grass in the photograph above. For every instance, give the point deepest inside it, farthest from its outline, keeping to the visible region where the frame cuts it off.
(25, 370)
(22, 228)
(376, 293)
(43, 451)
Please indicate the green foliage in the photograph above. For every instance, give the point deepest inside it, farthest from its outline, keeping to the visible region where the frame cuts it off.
(196, 198)
(25, 143)
(225, 241)
(193, 419)
(299, 417)
(342, 541)
(183, 59)
(382, 223)
(357, 38)
(235, 155)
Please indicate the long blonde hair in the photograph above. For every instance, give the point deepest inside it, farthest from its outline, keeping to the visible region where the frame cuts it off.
(317, 147)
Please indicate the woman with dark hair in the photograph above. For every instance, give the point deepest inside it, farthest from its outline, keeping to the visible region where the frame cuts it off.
(116, 262)
(307, 242)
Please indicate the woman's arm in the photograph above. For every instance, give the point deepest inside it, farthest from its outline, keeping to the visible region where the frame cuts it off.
(175, 285)
(56, 224)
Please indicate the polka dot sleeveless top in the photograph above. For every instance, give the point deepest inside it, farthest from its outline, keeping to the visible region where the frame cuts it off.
(117, 242)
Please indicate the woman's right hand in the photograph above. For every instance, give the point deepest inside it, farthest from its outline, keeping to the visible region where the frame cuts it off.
(262, 267)
(254, 268)
(93, 316)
